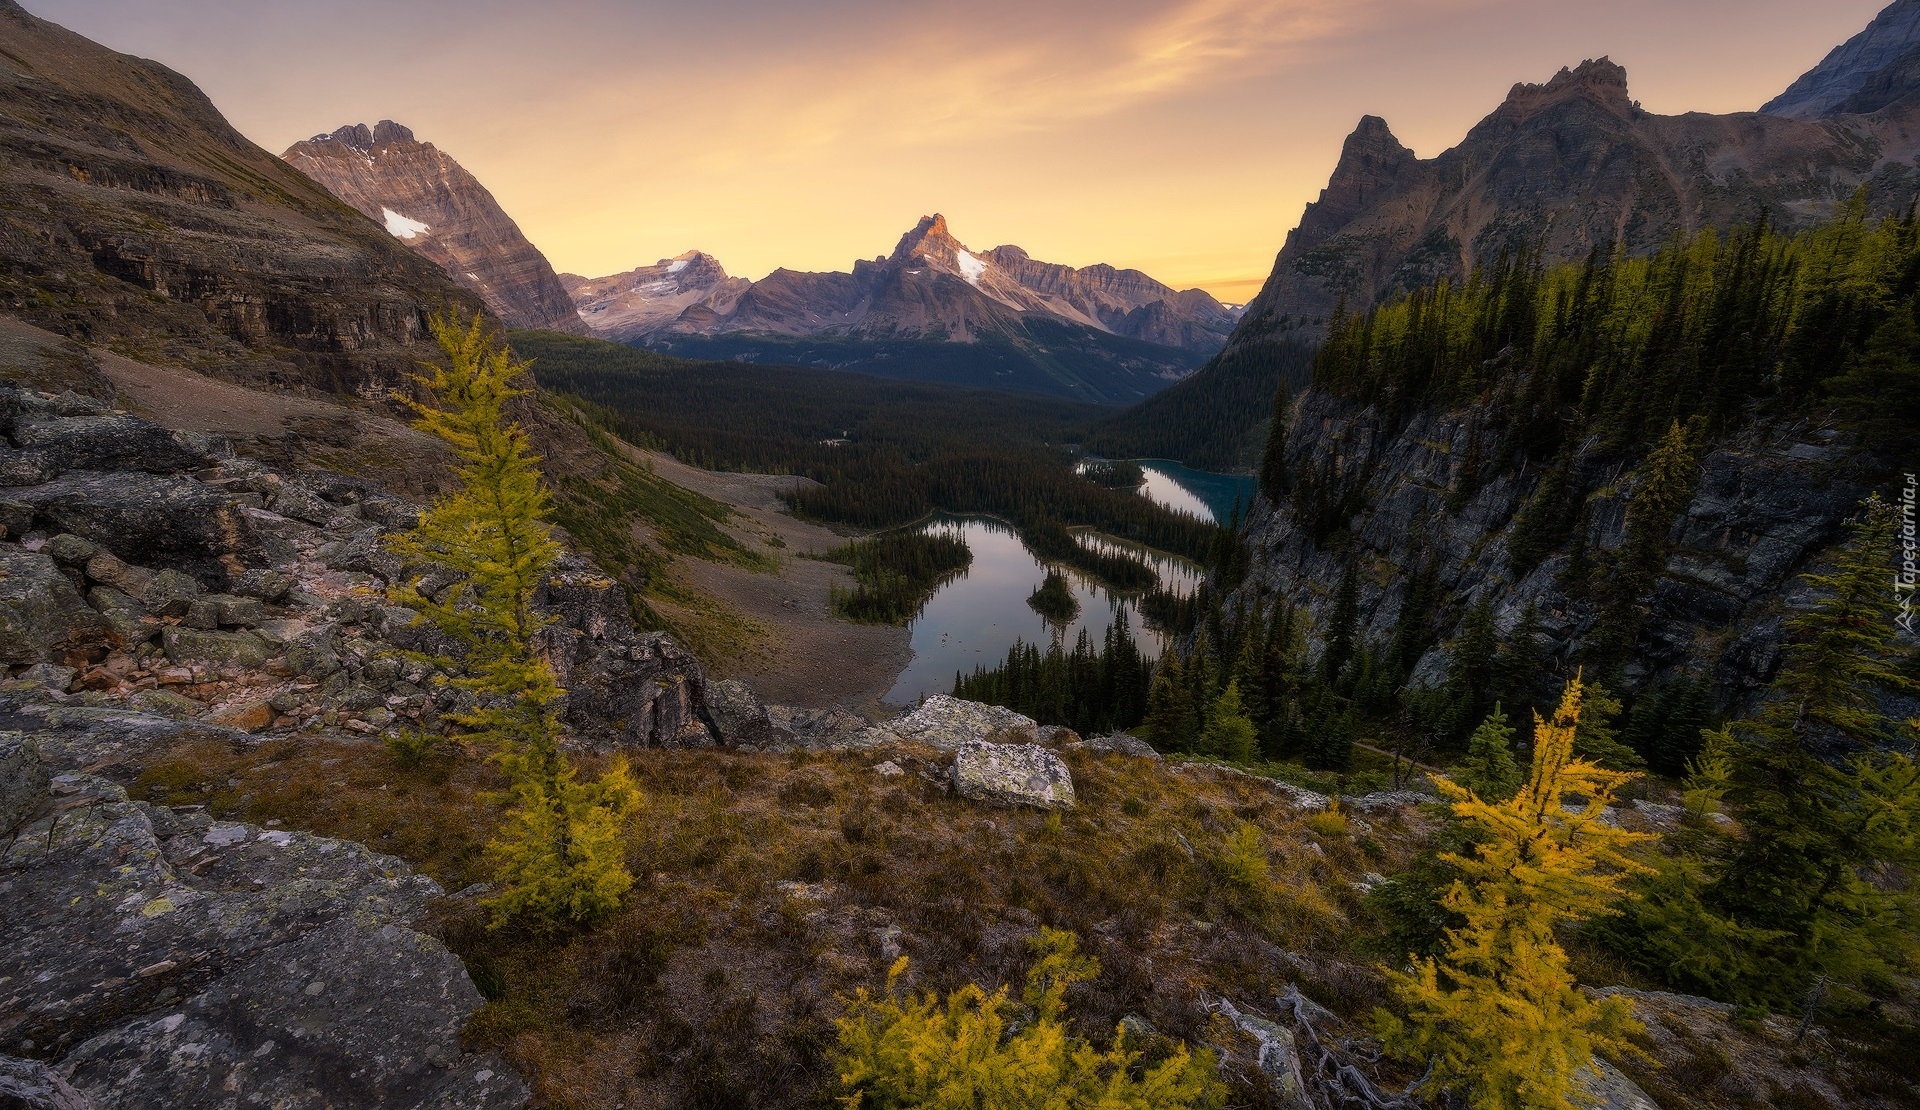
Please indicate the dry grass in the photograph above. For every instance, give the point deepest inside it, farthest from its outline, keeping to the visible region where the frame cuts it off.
(772, 885)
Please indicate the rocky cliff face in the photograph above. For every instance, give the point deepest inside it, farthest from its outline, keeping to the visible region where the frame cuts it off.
(1828, 89)
(1565, 167)
(130, 209)
(432, 204)
(628, 306)
(1767, 502)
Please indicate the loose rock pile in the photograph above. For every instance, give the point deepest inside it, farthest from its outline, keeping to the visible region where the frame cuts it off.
(153, 569)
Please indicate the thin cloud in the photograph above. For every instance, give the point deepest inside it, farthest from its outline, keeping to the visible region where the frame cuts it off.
(926, 86)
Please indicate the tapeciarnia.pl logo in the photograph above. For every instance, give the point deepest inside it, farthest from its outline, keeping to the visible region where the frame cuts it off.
(1904, 580)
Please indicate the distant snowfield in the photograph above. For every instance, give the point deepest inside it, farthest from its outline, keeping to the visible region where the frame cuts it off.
(401, 227)
(971, 268)
(678, 265)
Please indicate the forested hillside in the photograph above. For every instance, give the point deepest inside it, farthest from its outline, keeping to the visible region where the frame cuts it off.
(883, 453)
(1215, 419)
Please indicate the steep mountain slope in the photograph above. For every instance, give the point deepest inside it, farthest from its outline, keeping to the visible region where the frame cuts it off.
(628, 306)
(431, 203)
(131, 210)
(1565, 167)
(1561, 168)
(934, 310)
(1828, 88)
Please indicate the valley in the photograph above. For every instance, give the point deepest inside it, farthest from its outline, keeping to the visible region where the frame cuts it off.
(1474, 673)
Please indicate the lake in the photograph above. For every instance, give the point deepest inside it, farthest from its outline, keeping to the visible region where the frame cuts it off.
(973, 620)
(1202, 493)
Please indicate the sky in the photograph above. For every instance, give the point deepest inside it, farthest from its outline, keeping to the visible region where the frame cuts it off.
(1182, 137)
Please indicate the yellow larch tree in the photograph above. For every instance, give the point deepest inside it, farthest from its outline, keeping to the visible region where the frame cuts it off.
(927, 1053)
(559, 856)
(1499, 1015)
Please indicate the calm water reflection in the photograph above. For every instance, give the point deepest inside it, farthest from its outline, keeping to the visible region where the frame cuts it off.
(974, 620)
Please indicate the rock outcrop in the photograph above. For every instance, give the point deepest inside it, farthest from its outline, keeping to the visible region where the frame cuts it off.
(164, 959)
(432, 204)
(1878, 60)
(258, 599)
(129, 208)
(948, 723)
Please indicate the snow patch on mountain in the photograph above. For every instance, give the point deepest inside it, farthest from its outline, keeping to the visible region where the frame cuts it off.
(402, 227)
(971, 268)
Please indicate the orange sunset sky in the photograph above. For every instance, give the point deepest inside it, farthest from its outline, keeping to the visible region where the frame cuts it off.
(1179, 137)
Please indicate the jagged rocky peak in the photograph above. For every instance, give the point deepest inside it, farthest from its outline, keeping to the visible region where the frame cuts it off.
(360, 137)
(426, 199)
(1884, 54)
(932, 243)
(628, 305)
(1599, 81)
(1371, 156)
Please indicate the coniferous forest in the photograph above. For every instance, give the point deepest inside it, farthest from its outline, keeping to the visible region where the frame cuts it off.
(421, 691)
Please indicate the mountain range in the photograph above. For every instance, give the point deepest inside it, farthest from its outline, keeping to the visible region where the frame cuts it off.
(932, 310)
(647, 298)
(935, 310)
(431, 203)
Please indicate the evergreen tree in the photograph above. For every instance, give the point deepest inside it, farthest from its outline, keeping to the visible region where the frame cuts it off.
(1490, 771)
(1597, 740)
(560, 856)
(1710, 771)
(1669, 475)
(1273, 461)
(1471, 670)
(1343, 625)
(1827, 815)
(1544, 522)
(1329, 730)
(1499, 1014)
(1170, 707)
(1821, 799)
(1521, 662)
(1230, 733)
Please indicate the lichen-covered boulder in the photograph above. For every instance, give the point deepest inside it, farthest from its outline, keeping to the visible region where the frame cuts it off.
(235, 649)
(23, 780)
(1012, 774)
(948, 723)
(826, 729)
(1116, 743)
(624, 689)
(145, 519)
(166, 959)
(43, 618)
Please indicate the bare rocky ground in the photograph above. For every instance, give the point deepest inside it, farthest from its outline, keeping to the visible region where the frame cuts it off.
(810, 657)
